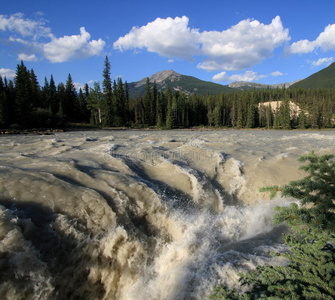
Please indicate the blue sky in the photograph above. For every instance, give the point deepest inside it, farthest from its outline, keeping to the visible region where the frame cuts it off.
(220, 41)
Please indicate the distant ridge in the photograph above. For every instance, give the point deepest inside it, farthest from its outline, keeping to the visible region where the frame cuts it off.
(322, 79)
(192, 85)
(244, 85)
(178, 82)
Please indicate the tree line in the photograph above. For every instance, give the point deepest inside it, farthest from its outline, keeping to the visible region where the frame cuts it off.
(25, 103)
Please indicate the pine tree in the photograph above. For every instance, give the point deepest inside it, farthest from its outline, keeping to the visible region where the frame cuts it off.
(10, 100)
(148, 104)
(52, 97)
(35, 90)
(70, 104)
(82, 106)
(45, 101)
(217, 115)
(127, 116)
(285, 114)
(310, 269)
(23, 95)
(302, 122)
(239, 121)
(154, 103)
(95, 104)
(160, 110)
(62, 99)
(108, 110)
(252, 113)
(171, 109)
(119, 106)
(3, 104)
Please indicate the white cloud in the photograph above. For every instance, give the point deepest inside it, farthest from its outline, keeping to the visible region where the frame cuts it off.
(221, 77)
(325, 41)
(239, 47)
(8, 73)
(94, 47)
(303, 46)
(26, 57)
(25, 27)
(243, 45)
(246, 76)
(64, 48)
(167, 37)
(277, 73)
(322, 61)
(28, 33)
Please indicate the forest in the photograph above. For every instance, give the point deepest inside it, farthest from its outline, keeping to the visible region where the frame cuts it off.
(24, 103)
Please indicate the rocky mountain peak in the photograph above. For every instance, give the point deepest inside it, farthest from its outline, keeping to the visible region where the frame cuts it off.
(160, 77)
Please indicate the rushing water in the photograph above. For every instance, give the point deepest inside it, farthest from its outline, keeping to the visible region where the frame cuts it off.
(141, 214)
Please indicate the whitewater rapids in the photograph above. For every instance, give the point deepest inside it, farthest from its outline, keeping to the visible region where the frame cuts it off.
(132, 214)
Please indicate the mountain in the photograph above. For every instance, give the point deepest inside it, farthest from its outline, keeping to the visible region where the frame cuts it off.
(178, 82)
(244, 85)
(322, 79)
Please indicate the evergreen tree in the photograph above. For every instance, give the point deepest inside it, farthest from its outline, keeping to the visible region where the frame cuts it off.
(233, 113)
(3, 105)
(45, 101)
(127, 116)
(82, 106)
(269, 117)
(210, 107)
(10, 101)
(108, 110)
(23, 94)
(160, 110)
(302, 122)
(148, 104)
(70, 104)
(285, 114)
(309, 272)
(239, 122)
(35, 90)
(52, 97)
(252, 114)
(153, 106)
(217, 115)
(170, 113)
(95, 104)
(62, 99)
(119, 107)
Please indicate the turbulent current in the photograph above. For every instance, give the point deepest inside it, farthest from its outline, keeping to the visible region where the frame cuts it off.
(141, 214)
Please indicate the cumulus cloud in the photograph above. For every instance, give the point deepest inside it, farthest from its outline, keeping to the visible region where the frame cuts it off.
(239, 47)
(28, 34)
(246, 76)
(8, 73)
(322, 61)
(64, 48)
(167, 37)
(325, 41)
(243, 45)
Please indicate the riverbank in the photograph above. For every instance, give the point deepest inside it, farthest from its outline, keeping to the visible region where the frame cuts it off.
(85, 127)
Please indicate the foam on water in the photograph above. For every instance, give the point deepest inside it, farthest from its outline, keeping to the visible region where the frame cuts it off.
(141, 215)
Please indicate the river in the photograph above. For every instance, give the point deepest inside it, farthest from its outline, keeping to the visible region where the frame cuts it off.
(141, 214)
